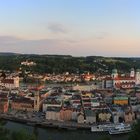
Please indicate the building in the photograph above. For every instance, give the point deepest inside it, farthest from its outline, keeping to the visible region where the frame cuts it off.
(51, 102)
(129, 117)
(104, 117)
(36, 101)
(122, 81)
(90, 116)
(66, 114)
(10, 83)
(121, 100)
(80, 118)
(3, 105)
(75, 115)
(24, 104)
(53, 113)
(28, 63)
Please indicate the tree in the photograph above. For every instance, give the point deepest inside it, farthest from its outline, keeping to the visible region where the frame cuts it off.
(4, 133)
(135, 135)
(22, 135)
(105, 138)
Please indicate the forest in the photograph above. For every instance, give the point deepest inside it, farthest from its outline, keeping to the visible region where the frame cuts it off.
(66, 63)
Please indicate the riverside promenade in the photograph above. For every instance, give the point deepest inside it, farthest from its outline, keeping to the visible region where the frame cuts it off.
(46, 123)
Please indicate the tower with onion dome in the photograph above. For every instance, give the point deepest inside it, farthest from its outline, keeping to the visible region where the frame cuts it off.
(114, 73)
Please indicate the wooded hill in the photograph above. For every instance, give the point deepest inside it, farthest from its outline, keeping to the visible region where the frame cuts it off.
(67, 63)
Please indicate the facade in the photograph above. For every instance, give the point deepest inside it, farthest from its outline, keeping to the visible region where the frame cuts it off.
(104, 117)
(129, 117)
(3, 106)
(80, 118)
(90, 116)
(53, 113)
(121, 100)
(75, 115)
(51, 103)
(10, 83)
(66, 115)
(24, 104)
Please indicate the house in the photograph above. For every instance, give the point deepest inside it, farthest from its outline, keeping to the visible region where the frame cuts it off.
(21, 103)
(53, 113)
(80, 118)
(66, 114)
(129, 117)
(51, 102)
(10, 82)
(90, 116)
(3, 105)
(104, 117)
(121, 100)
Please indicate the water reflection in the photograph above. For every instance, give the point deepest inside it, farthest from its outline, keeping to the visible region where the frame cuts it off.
(59, 134)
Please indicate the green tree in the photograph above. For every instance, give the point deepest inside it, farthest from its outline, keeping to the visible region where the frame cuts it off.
(4, 133)
(105, 138)
(135, 135)
(22, 135)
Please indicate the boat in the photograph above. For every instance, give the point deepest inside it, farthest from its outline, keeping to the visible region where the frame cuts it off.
(120, 129)
(102, 128)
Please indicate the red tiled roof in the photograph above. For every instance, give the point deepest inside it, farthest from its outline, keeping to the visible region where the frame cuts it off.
(124, 78)
(7, 81)
(119, 78)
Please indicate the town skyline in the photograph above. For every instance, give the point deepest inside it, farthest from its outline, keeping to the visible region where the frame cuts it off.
(77, 28)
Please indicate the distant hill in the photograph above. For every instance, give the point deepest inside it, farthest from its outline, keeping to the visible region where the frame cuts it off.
(7, 54)
(67, 63)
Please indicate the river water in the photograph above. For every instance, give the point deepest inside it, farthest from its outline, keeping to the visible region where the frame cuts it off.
(59, 134)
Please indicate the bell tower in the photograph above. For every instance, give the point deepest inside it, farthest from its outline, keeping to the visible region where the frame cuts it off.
(132, 73)
(137, 77)
(36, 101)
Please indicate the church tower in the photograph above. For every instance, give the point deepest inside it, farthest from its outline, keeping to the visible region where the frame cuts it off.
(137, 77)
(36, 101)
(114, 73)
(132, 73)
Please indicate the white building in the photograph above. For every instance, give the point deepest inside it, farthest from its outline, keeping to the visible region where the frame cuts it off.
(28, 63)
(10, 83)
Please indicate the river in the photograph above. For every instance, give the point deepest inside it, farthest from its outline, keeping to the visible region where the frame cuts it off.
(59, 134)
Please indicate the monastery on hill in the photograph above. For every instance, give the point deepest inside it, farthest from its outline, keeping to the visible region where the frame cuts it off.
(124, 82)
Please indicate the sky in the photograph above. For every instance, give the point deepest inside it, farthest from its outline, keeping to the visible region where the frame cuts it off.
(71, 27)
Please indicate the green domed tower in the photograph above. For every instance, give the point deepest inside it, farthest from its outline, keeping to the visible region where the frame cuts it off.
(114, 73)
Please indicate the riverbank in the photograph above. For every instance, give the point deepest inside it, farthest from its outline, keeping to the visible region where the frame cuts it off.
(60, 134)
(46, 123)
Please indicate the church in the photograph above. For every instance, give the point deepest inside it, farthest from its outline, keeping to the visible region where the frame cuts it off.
(120, 81)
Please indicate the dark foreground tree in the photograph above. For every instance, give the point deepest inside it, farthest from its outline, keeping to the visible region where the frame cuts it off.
(104, 138)
(22, 135)
(135, 134)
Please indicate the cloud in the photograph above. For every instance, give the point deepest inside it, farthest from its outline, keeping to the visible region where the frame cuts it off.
(106, 47)
(56, 28)
(9, 39)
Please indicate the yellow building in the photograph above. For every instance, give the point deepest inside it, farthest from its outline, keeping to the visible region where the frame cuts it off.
(121, 100)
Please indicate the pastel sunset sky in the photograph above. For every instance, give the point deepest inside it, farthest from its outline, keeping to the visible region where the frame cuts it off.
(71, 27)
